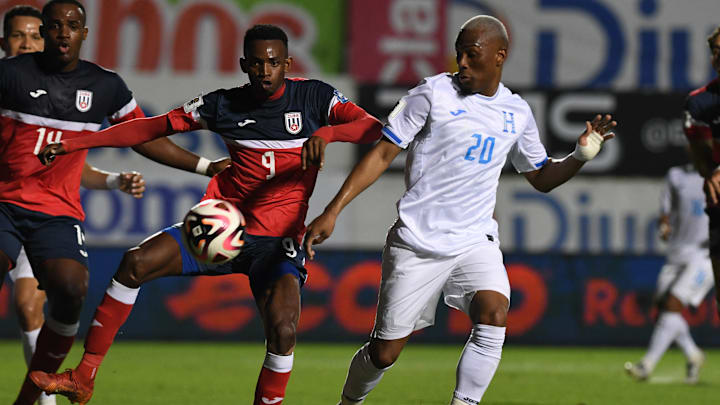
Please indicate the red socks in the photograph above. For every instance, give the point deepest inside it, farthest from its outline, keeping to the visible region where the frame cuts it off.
(53, 344)
(273, 380)
(109, 317)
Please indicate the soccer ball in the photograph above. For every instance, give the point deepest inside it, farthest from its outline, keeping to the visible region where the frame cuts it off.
(213, 231)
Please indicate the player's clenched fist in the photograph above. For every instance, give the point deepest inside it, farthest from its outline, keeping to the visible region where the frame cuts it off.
(48, 153)
(132, 183)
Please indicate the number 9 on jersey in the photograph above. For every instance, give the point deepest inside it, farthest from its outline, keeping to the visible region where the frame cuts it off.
(213, 231)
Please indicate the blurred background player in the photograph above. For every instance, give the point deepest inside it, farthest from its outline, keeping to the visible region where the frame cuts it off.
(21, 34)
(459, 130)
(274, 128)
(36, 201)
(702, 129)
(687, 275)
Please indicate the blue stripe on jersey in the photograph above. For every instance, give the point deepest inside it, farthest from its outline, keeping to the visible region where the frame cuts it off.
(387, 132)
(541, 164)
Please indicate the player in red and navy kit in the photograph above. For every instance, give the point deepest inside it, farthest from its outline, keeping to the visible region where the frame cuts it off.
(702, 128)
(21, 34)
(46, 97)
(274, 129)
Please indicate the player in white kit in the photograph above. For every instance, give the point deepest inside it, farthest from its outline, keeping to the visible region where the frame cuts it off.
(458, 130)
(687, 276)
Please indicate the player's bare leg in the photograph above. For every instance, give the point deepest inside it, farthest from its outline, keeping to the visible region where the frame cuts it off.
(481, 355)
(279, 307)
(156, 257)
(66, 282)
(5, 264)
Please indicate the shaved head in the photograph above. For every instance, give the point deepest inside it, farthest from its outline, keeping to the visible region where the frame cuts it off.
(493, 28)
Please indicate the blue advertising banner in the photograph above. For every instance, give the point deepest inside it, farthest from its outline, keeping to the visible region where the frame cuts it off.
(556, 300)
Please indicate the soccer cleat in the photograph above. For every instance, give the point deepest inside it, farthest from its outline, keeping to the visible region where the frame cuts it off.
(693, 368)
(637, 371)
(66, 384)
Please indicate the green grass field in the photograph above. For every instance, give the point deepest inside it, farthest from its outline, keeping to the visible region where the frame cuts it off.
(225, 373)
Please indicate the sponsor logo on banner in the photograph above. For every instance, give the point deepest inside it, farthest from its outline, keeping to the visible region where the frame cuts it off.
(293, 122)
(83, 100)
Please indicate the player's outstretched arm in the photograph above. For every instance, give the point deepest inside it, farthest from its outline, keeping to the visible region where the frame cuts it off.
(166, 152)
(128, 133)
(557, 172)
(128, 182)
(369, 169)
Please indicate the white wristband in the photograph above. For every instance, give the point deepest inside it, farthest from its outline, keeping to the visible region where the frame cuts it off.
(589, 151)
(202, 166)
(113, 181)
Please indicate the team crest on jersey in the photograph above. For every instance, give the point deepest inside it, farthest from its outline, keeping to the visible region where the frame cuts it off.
(83, 100)
(293, 122)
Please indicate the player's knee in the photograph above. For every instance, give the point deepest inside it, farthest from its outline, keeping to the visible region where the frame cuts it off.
(496, 316)
(383, 356)
(29, 307)
(283, 337)
(133, 268)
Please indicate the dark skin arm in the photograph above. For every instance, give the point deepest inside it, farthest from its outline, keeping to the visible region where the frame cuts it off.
(166, 152)
(365, 173)
(557, 172)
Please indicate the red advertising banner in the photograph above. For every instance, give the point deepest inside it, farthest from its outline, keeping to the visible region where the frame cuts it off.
(406, 41)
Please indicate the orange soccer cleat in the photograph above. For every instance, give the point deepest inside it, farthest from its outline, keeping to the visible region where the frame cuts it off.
(67, 384)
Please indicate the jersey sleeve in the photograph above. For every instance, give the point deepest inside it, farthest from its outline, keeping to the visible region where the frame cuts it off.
(409, 115)
(666, 195)
(528, 153)
(124, 106)
(198, 113)
(693, 126)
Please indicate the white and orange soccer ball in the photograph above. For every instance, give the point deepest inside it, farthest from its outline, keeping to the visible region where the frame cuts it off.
(214, 231)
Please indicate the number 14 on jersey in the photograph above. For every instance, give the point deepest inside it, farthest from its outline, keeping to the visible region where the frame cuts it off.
(52, 137)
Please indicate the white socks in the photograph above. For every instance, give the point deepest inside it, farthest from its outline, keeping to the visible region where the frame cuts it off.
(478, 362)
(362, 377)
(279, 363)
(29, 341)
(670, 326)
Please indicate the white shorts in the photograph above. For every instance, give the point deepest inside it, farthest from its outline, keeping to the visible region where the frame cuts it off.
(412, 283)
(22, 267)
(689, 282)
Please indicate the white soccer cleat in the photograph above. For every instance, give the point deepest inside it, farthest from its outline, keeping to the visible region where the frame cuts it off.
(637, 371)
(694, 365)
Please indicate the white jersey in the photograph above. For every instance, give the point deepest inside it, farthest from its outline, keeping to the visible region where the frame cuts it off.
(457, 145)
(683, 200)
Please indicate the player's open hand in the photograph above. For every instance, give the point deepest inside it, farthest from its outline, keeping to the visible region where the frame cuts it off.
(319, 229)
(217, 165)
(596, 133)
(132, 183)
(48, 153)
(313, 152)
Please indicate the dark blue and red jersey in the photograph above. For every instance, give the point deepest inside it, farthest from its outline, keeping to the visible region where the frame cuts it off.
(265, 138)
(702, 115)
(38, 107)
(266, 180)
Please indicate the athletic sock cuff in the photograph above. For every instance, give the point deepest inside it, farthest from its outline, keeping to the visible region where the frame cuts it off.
(121, 293)
(279, 363)
(62, 329)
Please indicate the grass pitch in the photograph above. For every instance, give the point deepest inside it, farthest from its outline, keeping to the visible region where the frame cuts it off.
(225, 373)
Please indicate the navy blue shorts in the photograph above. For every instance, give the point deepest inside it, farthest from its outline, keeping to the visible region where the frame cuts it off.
(44, 236)
(263, 259)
